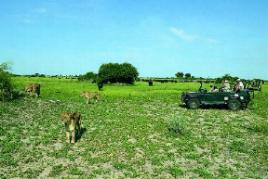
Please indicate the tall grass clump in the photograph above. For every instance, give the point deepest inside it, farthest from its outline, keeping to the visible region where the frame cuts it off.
(176, 126)
(6, 86)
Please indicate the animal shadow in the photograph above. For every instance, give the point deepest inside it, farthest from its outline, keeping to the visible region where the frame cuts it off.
(217, 106)
(79, 135)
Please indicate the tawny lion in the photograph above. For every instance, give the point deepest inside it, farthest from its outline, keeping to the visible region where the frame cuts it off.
(72, 122)
(90, 95)
(33, 89)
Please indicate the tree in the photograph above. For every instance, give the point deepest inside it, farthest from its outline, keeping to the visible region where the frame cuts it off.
(187, 75)
(179, 74)
(117, 73)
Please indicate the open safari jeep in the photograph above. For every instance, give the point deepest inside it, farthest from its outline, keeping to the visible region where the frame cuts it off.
(202, 97)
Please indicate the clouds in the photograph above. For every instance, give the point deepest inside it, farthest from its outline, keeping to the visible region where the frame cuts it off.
(182, 34)
(185, 36)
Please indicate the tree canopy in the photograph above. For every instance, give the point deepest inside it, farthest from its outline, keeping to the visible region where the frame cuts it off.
(117, 73)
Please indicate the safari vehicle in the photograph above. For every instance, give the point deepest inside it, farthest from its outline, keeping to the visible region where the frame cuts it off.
(255, 85)
(202, 97)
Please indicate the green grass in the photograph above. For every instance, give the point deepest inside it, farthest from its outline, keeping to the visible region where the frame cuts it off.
(127, 134)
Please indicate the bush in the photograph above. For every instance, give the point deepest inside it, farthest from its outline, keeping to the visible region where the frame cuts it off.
(6, 86)
(117, 73)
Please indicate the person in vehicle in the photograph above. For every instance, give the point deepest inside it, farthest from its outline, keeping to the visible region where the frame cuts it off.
(213, 88)
(226, 86)
(239, 85)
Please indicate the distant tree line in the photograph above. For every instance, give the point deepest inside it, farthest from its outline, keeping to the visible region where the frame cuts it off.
(89, 76)
(182, 75)
(127, 73)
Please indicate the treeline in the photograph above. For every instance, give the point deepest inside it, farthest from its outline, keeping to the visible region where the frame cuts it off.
(175, 80)
(127, 73)
(48, 76)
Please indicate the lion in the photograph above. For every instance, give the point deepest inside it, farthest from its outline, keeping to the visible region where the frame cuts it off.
(90, 95)
(72, 122)
(33, 89)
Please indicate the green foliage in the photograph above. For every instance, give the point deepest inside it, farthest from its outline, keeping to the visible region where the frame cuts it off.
(187, 75)
(89, 76)
(176, 171)
(6, 86)
(179, 74)
(118, 73)
(176, 126)
(37, 75)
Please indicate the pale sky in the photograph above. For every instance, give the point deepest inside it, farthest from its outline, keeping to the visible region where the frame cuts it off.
(207, 38)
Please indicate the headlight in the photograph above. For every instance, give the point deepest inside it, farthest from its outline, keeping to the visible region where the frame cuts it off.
(242, 97)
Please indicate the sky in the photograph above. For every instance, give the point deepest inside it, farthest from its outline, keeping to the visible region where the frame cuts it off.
(207, 38)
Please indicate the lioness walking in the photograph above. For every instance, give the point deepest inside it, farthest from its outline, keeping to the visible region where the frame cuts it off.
(90, 95)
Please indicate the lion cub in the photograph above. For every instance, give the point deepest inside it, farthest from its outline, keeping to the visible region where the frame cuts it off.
(33, 89)
(72, 122)
(90, 95)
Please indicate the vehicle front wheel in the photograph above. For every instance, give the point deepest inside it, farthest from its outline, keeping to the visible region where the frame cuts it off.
(234, 104)
(244, 105)
(193, 104)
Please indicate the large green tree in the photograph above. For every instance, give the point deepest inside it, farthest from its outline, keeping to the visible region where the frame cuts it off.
(117, 73)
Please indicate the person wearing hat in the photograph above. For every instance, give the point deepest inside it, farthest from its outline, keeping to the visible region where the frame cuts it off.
(226, 86)
(239, 85)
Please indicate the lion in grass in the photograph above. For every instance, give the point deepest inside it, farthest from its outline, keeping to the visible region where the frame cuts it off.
(90, 96)
(33, 89)
(72, 122)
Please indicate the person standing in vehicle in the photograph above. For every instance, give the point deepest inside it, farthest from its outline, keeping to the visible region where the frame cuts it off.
(239, 85)
(226, 86)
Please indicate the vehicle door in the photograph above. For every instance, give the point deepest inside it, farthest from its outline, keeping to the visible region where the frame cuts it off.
(215, 97)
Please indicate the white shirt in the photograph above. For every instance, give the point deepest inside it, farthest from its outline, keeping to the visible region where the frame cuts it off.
(240, 85)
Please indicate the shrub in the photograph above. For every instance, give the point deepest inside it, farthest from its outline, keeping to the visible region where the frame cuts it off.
(118, 73)
(6, 86)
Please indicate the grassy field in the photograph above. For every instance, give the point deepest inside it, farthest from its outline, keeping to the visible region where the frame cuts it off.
(126, 134)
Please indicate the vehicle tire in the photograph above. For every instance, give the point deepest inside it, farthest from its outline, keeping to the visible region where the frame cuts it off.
(193, 104)
(244, 105)
(234, 104)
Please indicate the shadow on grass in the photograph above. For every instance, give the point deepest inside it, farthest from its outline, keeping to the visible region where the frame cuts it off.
(82, 132)
(215, 106)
